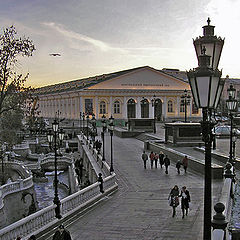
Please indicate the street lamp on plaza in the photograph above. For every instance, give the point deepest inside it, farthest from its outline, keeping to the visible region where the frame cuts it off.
(94, 129)
(104, 125)
(87, 117)
(154, 104)
(231, 103)
(206, 86)
(234, 139)
(111, 128)
(55, 137)
(186, 101)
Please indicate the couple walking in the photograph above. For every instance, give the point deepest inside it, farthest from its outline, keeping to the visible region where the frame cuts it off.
(174, 200)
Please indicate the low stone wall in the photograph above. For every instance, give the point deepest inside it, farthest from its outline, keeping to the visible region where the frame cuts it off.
(122, 133)
(195, 164)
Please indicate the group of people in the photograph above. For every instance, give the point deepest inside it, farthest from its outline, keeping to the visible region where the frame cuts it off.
(163, 161)
(174, 196)
(61, 234)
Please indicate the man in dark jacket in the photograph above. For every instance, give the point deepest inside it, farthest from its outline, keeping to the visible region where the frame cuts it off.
(185, 200)
(166, 163)
(144, 158)
(62, 234)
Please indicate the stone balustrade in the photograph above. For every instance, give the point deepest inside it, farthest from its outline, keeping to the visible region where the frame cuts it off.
(13, 187)
(45, 218)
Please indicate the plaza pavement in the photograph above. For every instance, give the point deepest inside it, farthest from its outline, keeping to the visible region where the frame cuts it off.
(139, 209)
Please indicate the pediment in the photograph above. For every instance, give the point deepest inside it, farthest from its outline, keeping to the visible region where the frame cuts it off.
(143, 78)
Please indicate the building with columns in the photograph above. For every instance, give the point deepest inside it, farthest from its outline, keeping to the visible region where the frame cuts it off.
(142, 92)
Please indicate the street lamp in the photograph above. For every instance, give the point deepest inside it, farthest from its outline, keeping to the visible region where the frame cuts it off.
(231, 103)
(52, 138)
(154, 104)
(93, 122)
(186, 101)
(234, 139)
(104, 125)
(83, 118)
(87, 124)
(111, 128)
(3, 150)
(206, 86)
(80, 123)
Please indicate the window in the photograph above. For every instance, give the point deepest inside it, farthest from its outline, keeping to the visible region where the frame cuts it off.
(102, 107)
(89, 106)
(144, 108)
(116, 107)
(170, 106)
(182, 106)
(131, 108)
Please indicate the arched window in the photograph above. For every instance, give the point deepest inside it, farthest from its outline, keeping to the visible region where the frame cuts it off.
(170, 106)
(144, 108)
(131, 108)
(102, 109)
(116, 107)
(182, 106)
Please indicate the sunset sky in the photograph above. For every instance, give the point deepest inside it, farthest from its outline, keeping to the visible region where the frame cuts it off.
(102, 36)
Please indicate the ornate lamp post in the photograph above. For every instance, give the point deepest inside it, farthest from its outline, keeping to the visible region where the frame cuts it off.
(111, 128)
(231, 103)
(93, 122)
(206, 86)
(104, 125)
(87, 117)
(154, 104)
(83, 122)
(52, 138)
(80, 123)
(186, 101)
(234, 139)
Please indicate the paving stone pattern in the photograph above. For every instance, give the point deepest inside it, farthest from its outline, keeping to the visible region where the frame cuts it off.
(139, 209)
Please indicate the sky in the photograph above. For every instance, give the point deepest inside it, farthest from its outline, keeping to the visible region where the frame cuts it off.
(96, 37)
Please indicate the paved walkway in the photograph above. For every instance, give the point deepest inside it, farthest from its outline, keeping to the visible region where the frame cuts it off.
(140, 210)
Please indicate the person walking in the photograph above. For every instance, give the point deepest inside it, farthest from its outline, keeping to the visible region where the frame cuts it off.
(185, 163)
(178, 166)
(156, 159)
(144, 158)
(166, 163)
(152, 156)
(185, 200)
(161, 159)
(62, 234)
(174, 199)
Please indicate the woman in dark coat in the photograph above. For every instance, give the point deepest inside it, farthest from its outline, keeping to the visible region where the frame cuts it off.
(161, 158)
(185, 200)
(173, 197)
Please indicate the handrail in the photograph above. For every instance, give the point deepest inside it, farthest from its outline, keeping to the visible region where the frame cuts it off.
(38, 221)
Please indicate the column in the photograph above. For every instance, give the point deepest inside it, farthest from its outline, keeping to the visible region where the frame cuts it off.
(124, 108)
(138, 108)
(96, 107)
(151, 110)
(110, 106)
(164, 106)
(178, 106)
(76, 108)
(81, 104)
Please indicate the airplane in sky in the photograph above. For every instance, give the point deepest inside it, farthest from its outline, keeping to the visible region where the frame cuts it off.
(55, 54)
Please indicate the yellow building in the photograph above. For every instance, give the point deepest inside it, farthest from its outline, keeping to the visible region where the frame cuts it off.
(125, 94)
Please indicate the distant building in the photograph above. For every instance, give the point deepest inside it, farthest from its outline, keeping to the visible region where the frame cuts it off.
(124, 94)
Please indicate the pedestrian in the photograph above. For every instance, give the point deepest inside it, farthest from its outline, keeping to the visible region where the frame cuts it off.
(152, 156)
(185, 163)
(166, 163)
(33, 237)
(62, 234)
(156, 159)
(174, 199)
(100, 180)
(178, 166)
(185, 200)
(161, 159)
(144, 158)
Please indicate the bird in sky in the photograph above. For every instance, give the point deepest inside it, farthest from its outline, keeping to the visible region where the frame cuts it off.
(55, 54)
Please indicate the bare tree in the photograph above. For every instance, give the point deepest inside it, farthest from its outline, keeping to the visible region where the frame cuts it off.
(13, 92)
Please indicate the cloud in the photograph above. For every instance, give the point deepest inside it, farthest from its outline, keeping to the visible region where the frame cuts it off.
(80, 37)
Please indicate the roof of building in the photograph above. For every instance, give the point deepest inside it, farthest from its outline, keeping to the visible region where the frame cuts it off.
(90, 81)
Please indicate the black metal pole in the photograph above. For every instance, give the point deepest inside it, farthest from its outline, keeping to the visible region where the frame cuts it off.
(87, 128)
(103, 157)
(56, 199)
(111, 166)
(3, 179)
(231, 136)
(185, 103)
(206, 131)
